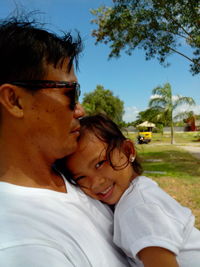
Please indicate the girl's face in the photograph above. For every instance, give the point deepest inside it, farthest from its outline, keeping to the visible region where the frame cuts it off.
(93, 172)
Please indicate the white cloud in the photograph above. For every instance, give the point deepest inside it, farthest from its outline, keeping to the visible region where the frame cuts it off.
(183, 107)
(187, 108)
(130, 114)
(175, 97)
(155, 96)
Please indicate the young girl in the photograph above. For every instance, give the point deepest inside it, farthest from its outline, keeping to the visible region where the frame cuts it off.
(151, 227)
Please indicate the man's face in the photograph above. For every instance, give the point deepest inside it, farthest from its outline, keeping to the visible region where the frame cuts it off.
(52, 127)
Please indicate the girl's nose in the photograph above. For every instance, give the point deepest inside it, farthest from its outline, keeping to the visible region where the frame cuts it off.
(97, 183)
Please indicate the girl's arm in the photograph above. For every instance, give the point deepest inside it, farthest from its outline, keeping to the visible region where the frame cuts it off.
(157, 257)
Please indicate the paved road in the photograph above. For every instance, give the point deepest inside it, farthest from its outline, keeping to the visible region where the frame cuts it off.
(194, 150)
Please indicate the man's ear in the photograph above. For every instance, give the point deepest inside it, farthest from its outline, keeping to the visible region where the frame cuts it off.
(11, 100)
(128, 148)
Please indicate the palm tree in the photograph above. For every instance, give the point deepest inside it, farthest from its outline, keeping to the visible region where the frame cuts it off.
(165, 103)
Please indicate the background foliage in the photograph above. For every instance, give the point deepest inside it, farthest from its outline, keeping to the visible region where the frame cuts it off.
(160, 27)
(103, 101)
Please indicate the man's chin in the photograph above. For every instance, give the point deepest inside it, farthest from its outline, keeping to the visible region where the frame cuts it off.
(72, 149)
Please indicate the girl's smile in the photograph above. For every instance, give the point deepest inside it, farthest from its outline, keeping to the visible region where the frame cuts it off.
(106, 193)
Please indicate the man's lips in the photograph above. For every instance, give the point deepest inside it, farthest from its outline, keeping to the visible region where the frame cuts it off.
(76, 130)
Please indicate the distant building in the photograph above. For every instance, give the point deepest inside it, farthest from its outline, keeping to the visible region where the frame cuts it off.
(192, 124)
(197, 125)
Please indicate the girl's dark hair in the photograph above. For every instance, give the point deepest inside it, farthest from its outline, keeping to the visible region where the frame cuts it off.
(108, 132)
(26, 48)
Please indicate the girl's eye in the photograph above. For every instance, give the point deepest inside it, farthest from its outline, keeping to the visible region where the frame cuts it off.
(79, 178)
(82, 181)
(99, 164)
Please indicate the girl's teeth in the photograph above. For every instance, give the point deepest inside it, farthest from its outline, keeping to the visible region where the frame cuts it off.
(106, 191)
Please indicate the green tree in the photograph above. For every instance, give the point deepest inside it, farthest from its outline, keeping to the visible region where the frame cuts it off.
(103, 101)
(165, 103)
(160, 27)
(147, 115)
(151, 115)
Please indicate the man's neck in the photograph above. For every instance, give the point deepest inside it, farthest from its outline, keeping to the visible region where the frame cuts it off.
(48, 180)
(19, 169)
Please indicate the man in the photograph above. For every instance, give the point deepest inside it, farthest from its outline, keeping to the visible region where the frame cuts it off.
(44, 221)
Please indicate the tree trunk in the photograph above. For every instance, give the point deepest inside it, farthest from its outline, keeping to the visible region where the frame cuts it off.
(172, 132)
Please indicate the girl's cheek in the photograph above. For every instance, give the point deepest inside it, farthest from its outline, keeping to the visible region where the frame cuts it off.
(89, 193)
(85, 184)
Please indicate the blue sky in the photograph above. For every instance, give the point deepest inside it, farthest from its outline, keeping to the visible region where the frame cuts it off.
(131, 78)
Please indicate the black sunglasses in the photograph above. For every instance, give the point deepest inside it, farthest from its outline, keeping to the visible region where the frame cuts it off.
(44, 84)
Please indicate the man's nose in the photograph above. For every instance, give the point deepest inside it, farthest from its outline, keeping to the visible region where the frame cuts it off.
(78, 111)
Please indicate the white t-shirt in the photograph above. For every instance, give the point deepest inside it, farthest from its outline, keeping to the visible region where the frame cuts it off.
(147, 216)
(42, 228)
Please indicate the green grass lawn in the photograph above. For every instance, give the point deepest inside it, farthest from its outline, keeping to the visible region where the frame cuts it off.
(171, 160)
(174, 169)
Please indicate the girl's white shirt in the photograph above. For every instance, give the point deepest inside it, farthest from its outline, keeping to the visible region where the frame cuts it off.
(147, 216)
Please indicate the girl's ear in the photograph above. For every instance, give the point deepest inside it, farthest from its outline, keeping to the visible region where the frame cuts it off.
(10, 99)
(128, 148)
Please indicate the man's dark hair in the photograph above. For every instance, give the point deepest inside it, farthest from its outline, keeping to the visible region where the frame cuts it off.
(26, 48)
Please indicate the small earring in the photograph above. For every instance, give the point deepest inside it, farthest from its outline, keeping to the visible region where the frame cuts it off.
(131, 159)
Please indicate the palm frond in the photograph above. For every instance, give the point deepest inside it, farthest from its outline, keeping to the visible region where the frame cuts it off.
(183, 100)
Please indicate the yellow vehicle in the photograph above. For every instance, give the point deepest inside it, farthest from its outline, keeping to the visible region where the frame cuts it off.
(144, 137)
(145, 132)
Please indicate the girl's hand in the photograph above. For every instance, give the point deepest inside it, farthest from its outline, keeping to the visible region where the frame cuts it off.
(157, 257)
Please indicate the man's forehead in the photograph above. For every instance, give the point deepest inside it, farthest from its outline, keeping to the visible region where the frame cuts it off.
(60, 73)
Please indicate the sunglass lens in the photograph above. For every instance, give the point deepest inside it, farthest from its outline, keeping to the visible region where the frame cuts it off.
(74, 96)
